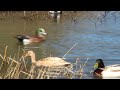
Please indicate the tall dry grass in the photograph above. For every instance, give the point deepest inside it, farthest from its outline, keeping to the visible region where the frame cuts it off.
(16, 67)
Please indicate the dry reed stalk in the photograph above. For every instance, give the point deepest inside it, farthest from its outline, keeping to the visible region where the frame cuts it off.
(5, 52)
(15, 69)
(46, 74)
(39, 73)
(2, 61)
(1, 65)
(8, 73)
(81, 70)
(31, 72)
(18, 71)
(18, 74)
(18, 53)
(69, 50)
(8, 60)
(25, 73)
(52, 72)
(15, 72)
(10, 66)
(13, 60)
(25, 65)
(2, 57)
(76, 63)
(43, 73)
(11, 70)
(59, 74)
(49, 72)
(70, 71)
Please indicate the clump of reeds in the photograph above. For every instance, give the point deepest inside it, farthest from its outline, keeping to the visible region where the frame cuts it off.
(16, 68)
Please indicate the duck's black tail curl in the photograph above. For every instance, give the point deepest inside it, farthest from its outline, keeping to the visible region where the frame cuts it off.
(21, 37)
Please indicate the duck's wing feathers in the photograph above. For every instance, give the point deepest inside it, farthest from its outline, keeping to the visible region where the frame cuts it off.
(21, 37)
(113, 68)
(112, 71)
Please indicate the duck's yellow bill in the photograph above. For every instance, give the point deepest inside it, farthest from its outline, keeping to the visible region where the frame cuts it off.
(96, 65)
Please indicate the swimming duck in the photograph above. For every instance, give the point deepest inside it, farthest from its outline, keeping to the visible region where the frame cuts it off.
(106, 72)
(25, 39)
(48, 62)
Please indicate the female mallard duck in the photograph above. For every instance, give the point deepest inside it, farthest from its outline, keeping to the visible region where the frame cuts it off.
(111, 71)
(29, 39)
(49, 61)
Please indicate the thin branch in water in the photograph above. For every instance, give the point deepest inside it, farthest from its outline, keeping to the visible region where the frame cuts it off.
(69, 50)
(83, 67)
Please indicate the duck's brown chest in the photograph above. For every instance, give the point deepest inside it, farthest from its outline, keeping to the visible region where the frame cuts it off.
(37, 39)
(97, 73)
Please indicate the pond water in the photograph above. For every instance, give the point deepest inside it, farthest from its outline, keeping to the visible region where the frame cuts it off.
(97, 36)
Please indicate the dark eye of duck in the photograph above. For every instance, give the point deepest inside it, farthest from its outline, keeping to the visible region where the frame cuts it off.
(40, 31)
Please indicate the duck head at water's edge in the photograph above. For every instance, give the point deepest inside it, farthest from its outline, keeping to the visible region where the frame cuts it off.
(106, 72)
(25, 39)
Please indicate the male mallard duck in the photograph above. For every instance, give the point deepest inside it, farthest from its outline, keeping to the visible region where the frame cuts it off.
(29, 39)
(111, 71)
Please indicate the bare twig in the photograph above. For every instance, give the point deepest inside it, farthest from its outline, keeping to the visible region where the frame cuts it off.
(69, 50)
